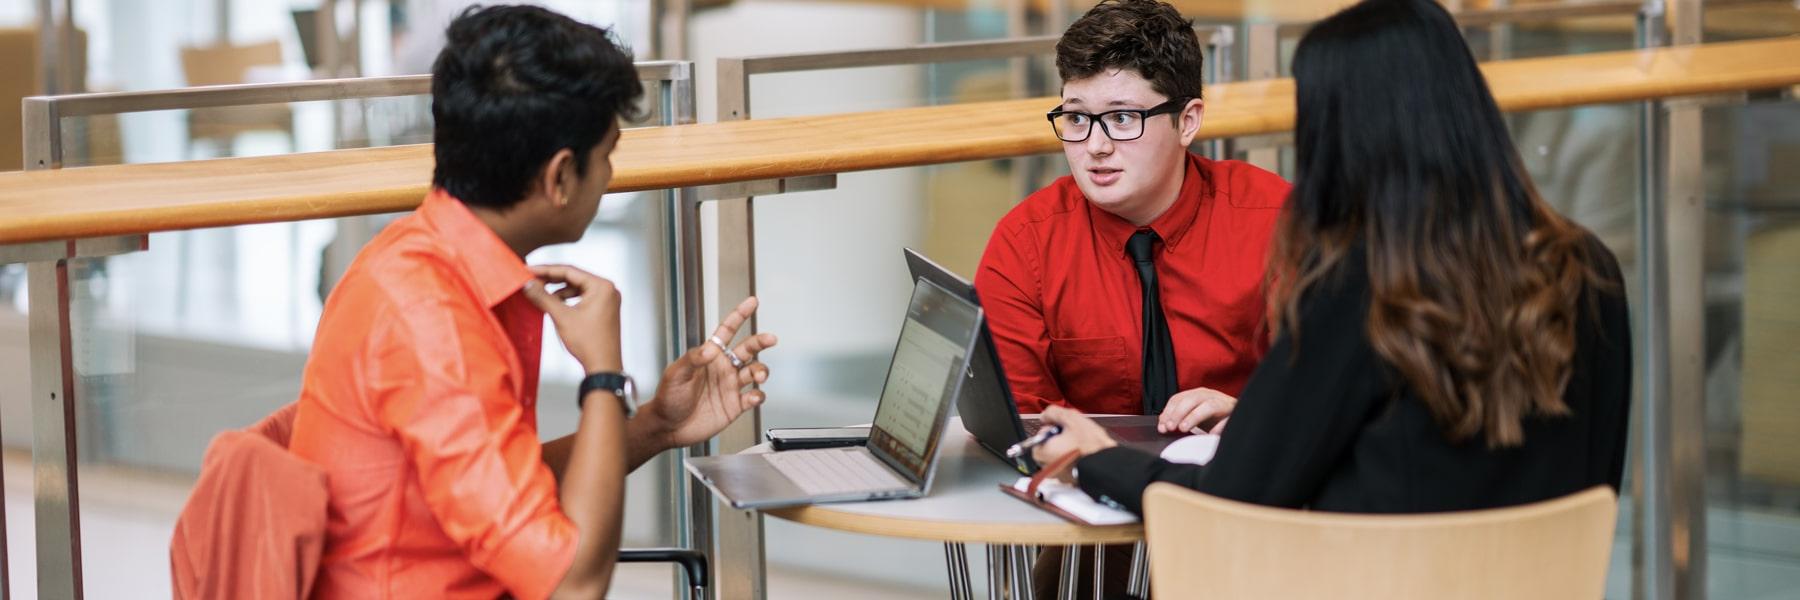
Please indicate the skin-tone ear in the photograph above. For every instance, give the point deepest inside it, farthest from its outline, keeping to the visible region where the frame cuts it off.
(558, 178)
(1190, 120)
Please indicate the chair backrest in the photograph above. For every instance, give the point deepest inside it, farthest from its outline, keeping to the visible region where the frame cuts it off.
(18, 79)
(1205, 546)
(222, 65)
(21, 76)
(225, 65)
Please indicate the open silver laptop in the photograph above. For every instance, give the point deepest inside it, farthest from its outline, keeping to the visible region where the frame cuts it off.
(925, 376)
(986, 404)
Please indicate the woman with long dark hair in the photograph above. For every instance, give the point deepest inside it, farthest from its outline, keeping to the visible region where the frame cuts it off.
(1443, 339)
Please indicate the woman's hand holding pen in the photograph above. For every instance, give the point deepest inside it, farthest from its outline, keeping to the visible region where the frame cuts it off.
(1079, 434)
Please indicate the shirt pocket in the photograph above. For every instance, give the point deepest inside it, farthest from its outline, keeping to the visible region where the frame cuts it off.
(1094, 372)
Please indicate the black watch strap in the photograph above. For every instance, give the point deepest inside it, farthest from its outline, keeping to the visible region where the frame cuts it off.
(619, 384)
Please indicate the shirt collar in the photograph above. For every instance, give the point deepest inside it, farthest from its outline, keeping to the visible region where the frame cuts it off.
(1172, 226)
(495, 271)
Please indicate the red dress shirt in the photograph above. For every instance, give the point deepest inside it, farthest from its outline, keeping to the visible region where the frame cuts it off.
(420, 403)
(1064, 304)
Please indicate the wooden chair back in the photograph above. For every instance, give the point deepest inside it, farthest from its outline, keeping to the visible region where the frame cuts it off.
(1205, 546)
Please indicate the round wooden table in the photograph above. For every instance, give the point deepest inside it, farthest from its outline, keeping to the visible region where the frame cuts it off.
(964, 506)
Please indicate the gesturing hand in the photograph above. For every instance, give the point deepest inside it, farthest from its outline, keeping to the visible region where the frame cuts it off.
(702, 392)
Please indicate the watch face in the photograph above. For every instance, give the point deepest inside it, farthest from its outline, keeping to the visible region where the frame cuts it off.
(628, 392)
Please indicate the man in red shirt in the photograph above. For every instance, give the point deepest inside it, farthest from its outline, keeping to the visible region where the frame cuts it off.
(419, 400)
(1135, 284)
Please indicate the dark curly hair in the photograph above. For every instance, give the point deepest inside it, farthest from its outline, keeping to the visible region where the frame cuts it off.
(516, 84)
(1146, 36)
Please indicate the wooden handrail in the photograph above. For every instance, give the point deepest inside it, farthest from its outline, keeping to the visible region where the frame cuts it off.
(144, 198)
(1207, 10)
(1740, 18)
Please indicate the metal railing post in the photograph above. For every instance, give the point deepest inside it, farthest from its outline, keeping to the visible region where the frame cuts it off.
(687, 297)
(1500, 34)
(1059, 16)
(1684, 215)
(1218, 70)
(1651, 549)
(56, 493)
(43, 134)
(734, 252)
(1262, 47)
(668, 28)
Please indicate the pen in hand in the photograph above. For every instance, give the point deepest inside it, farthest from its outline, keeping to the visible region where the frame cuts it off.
(1036, 439)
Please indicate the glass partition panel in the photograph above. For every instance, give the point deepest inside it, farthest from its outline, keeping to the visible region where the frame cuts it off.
(1555, 37)
(834, 286)
(1752, 304)
(890, 87)
(266, 129)
(1584, 162)
(1523, 30)
(250, 130)
(210, 330)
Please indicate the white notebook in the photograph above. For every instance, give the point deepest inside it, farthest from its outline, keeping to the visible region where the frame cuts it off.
(1072, 500)
(1193, 449)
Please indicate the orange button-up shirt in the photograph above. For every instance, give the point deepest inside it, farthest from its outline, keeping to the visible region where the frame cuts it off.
(420, 403)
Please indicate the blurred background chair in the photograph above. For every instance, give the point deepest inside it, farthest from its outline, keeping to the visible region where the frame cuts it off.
(91, 140)
(225, 65)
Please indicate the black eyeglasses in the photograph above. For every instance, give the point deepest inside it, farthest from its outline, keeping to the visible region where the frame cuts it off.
(1121, 125)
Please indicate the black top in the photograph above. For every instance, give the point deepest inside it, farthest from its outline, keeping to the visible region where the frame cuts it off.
(1332, 427)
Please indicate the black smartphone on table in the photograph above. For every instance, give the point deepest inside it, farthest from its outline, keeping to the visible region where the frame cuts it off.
(801, 438)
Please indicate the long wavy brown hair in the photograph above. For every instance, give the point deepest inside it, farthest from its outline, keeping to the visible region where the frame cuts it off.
(1475, 281)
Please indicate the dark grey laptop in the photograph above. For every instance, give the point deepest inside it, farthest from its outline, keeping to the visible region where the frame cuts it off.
(898, 462)
(986, 403)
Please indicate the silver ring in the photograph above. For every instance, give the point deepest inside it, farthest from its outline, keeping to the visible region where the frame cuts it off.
(736, 363)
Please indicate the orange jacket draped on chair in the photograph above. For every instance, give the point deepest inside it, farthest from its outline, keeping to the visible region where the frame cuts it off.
(254, 526)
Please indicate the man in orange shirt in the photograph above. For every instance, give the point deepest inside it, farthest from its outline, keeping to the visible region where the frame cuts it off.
(419, 399)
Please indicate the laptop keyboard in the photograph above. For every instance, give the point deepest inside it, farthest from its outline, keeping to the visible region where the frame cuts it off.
(834, 471)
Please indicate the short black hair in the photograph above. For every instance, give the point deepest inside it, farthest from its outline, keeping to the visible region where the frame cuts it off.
(1146, 36)
(514, 85)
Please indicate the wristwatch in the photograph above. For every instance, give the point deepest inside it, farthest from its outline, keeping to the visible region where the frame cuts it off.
(619, 384)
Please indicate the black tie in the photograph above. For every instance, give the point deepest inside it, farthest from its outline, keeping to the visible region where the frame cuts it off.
(1159, 351)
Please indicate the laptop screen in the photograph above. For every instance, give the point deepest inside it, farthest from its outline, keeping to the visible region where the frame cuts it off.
(923, 378)
(985, 402)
